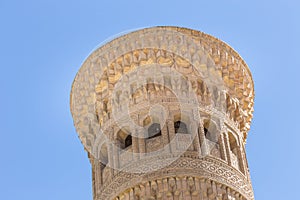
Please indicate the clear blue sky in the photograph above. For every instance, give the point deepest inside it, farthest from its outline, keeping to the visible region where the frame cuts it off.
(44, 42)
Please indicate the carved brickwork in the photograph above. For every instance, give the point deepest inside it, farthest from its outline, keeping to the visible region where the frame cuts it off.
(164, 113)
(184, 187)
(188, 164)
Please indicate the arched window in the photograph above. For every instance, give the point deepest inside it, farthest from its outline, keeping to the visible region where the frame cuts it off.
(210, 131)
(232, 143)
(180, 127)
(128, 141)
(124, 138)
(207, 133)
(154, 130)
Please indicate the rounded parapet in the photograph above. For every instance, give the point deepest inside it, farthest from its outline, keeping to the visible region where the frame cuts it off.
(168, 63)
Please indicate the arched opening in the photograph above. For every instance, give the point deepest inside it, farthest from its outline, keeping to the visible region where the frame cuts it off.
(209, 135)
(128, 141)
(233, 143)
(212, 135)
(154, 130)
(124, 139)
(210, 131)
(180, 127)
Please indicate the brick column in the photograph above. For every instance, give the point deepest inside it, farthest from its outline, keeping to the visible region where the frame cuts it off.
(165, 136)
(171, 133)
(195, 137)
(135, 144)
(110, 151)
(141, 142)
(116, 155)
(227, 147)
(222, 147)
(241, 158)
(98, 176)
(202, 139)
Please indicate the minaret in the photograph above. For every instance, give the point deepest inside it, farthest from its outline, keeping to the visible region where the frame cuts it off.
(164, 113)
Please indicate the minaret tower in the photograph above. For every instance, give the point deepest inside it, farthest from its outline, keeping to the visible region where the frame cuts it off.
(164, 113)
